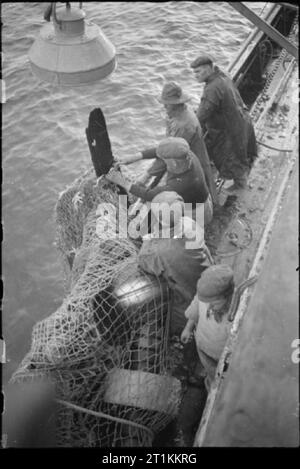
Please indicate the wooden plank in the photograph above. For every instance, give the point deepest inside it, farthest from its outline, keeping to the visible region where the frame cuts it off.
(256, 317)
(257, 403)
(137, 388)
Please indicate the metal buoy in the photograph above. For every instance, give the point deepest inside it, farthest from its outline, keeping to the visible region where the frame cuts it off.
(71, 51)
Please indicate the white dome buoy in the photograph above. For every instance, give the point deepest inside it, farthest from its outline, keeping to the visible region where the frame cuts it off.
(71, 51)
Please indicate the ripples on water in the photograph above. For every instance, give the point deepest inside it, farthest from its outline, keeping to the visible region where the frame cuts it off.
(44, 144)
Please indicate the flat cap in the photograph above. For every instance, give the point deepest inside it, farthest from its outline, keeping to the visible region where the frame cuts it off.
(215, 282)
(202, 60)
(173, 147)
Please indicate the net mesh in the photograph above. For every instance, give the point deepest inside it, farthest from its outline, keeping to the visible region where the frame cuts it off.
(105, 348)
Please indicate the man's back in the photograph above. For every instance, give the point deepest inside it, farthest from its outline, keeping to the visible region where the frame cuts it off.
(231, 139)
(185, 124)
(191, 184)
(211, 335)
(182, 124)
(228, 107)
(181, 268)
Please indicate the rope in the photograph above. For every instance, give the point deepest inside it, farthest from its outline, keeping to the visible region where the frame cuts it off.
(106, 416)
(274, 148)
(237, 294)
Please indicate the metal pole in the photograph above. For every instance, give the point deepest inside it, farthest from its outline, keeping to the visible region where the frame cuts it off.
(55, 20)
(266, 28)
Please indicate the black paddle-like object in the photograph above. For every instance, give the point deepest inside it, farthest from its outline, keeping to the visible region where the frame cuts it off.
(99, 143)
(100, 147)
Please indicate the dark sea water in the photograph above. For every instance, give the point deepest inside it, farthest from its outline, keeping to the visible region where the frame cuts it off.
(44, 146)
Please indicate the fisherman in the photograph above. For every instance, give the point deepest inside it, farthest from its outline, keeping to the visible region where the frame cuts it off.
(171, 258)
(208, 317)
(231, 142)
(180, 122)
(184, 175)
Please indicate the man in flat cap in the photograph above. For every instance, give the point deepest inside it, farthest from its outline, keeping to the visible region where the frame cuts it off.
(207, 316)
(184, 176)
(180, 122)
(231, 140)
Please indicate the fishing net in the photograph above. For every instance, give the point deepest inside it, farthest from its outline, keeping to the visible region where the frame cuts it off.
(105, 348)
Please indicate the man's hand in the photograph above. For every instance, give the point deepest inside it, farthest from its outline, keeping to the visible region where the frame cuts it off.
(186, 335)
(125, 160)
(117, 178)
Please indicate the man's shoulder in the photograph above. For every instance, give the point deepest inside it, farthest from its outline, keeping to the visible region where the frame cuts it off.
(224, 82)
(197, 168)
(189, 114)
(187, 119)
(220, 81)
(214, 90)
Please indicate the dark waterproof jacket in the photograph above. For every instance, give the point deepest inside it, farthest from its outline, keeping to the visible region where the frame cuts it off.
(231, 140)
(190, 185)
(185, 124)
(180, 267)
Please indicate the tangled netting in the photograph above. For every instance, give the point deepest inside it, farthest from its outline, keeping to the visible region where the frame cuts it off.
(105, 347)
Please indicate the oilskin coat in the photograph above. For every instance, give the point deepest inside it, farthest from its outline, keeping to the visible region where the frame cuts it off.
(180, 267)
(190, 185)
(231, 140)
(184, 123)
